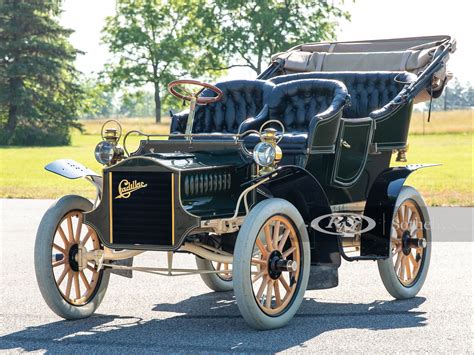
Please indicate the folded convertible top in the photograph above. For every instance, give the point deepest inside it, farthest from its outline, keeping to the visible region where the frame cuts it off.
(399, 54)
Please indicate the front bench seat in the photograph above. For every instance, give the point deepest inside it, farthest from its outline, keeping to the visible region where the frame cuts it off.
(310, 110)
(242, 99)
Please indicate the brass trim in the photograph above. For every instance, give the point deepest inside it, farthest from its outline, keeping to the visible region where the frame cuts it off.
(172, 209)
(111, 232)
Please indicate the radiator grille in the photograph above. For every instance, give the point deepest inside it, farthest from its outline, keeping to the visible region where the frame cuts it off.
(141, 204)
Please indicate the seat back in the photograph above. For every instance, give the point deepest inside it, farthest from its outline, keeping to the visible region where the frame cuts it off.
(296, 103)
(242, 99)
(369, 91)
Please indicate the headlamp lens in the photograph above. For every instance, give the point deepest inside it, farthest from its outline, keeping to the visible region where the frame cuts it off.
(264, 154)
(104, 152)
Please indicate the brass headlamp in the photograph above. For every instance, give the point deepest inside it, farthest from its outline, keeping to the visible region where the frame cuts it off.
(109, 152)
(267, 153)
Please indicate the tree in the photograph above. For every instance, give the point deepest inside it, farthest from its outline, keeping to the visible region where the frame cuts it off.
(157, 41)
(456, 95)
(98, 99)
(39, 94)
(253, 30)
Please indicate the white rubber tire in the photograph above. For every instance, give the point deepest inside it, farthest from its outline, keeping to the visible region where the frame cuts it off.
(43, 266)
(386, 268)
(212, 281)
(252, 313)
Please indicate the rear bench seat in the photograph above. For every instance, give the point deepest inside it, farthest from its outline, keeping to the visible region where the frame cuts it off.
(369, 91)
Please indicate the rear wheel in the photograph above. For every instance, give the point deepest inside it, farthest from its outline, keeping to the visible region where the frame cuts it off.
(218, 282)
(271, 264)
(404, 272)
(70, 290)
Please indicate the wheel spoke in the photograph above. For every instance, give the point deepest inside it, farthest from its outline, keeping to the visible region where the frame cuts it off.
(91, 269)
(84, 280)
(397, 250)
(57, 247)
(276, 234)
(288, 252)
(402, 269)
(398, 261)
(268, 236)
(69, 228)
(268, 296)
(63, 236)
(69, 283)
(276, 286)
(284, 283)
(218, 266)
(58, 263)
(87, 236)
(261, 289)
(261, 247)
(78, 228)
(400, 218)
(259, 262)
(76, 285)
(407, 269)
(63, 275)
(259, 275)
(284, 239)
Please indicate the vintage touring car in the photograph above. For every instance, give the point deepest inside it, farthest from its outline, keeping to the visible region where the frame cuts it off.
(268, 182)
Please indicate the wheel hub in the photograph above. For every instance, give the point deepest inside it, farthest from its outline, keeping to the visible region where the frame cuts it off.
(73, 251)
(409, 242)
(277, 264)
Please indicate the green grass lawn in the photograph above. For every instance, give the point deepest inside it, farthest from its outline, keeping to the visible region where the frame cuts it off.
(23, 174)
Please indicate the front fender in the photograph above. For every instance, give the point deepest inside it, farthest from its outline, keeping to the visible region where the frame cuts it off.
(71, 169)
(380, 207)
(304, 191)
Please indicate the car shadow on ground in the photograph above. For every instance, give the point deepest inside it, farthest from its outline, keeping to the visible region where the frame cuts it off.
(211, 322)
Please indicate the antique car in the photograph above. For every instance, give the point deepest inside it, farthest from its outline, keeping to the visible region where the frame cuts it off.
(269, 183)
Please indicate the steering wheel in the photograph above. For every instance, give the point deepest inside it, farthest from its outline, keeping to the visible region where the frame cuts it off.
(185, 94)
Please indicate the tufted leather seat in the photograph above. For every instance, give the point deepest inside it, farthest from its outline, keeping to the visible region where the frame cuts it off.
(369, 91)
(302, 106)
(242, 99)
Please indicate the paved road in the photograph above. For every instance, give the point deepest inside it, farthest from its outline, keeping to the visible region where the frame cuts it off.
(157, 314)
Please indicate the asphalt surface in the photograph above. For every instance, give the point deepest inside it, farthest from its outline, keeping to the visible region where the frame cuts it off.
(159, 314)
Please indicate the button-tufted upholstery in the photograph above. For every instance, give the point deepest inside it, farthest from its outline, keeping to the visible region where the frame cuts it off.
(369, 91)
(296, 103)
(242, 99)
(310, 110)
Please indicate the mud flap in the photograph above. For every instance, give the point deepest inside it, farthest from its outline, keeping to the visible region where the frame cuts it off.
(322, 277)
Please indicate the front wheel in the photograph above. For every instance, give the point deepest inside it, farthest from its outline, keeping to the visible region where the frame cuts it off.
(271, 264)
(70, 290)
(404, 272)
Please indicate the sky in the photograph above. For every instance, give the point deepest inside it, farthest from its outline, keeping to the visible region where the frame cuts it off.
(371, 19)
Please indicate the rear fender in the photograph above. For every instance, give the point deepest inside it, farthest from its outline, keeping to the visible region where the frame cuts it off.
(71, 169)
(380, 207)
(303, 190)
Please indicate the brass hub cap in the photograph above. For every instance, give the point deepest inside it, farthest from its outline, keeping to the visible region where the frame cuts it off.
(75, 285)
(276, 264)
(407, 224)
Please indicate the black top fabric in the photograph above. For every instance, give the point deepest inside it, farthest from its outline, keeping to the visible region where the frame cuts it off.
(369, 91)
(242, 99)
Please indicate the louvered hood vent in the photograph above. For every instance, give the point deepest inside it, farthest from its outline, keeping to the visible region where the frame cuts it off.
(204, 183)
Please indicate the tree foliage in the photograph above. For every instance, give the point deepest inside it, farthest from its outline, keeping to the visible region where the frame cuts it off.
(157, 41)
(253, 30)
(39, 94)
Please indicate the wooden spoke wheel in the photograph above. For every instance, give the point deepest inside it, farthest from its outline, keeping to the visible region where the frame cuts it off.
(219, 282)
(77, 284)
(271, 264)
(275, 265)
(226, 269)
(71, 288)
(404, 272)
(407, 224)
